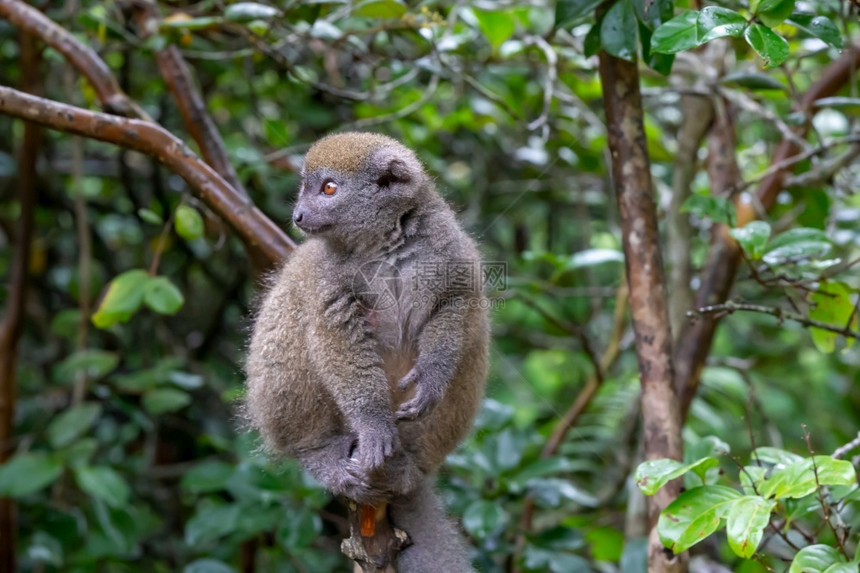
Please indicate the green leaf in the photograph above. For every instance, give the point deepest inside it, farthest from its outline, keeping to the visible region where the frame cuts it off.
(694, 515)
(832, 304)
(653, 13)
(103, 483)
(820, 27)
(65, 428)
(482, 518)
(776, 456)
(162, 296)
(208, 566)
(94, 363)
(800, 479)
(211, 523)
(745, 524)
(27, 473)
(770, 46)
(593, 257)
(815, 559)
(591, 45)
(208, 476)
(794, 244)
(162, 400)
(381, 9)
(189, 223)
(650, 476)
(549, 492)
(676, 35)
(752, 477)
(150, 217)
(496, 25)
(44, 548)
(773, 12)
(248, 11)
(753, 81)
(717, 22)
(122, 299)
(717, 209)
(752, 238)
(569, 11)
(618, 31)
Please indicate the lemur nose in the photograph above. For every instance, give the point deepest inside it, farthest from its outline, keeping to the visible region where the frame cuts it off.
(298, 215)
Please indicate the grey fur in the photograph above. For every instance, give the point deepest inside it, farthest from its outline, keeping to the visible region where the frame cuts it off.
(372, 397)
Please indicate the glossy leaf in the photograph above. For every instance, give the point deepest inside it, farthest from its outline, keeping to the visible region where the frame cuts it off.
(92, 363)
(820, 27)
(717, 22)
(162, 296)
(650, 476)
(569, 11)
(815, 559)
(68, 426)
(694, 515)
(211, 523)
(773, 12)
(796, 244)
(745, 523)
(618, 31)
(208, 566)
(752, 238)
(538, 559)
(208, 476)
(676, 35)
(122, 299)
(753, 81)
(801, 479)
(299, 529)
(768, 44)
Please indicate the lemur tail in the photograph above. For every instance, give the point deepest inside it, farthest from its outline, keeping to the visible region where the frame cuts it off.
(437, 545)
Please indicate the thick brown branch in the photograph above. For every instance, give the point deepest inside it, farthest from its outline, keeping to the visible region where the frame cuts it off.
(694, 344)
(81, 56)
(256, 230)
(631, 176)
(196, 118)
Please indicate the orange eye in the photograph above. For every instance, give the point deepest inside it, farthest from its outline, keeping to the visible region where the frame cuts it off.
(329, 188)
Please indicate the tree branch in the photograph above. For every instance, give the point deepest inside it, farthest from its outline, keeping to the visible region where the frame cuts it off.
(81, 56)
(257, 231)
(781, 314)
(180, 82)
(694, 344)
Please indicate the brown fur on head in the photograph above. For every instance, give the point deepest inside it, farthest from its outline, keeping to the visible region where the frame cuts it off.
(347, 152)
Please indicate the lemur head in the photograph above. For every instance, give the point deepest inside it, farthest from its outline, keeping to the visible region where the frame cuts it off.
(357, 186)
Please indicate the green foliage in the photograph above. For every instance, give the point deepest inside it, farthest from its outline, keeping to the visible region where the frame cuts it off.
(702, 510)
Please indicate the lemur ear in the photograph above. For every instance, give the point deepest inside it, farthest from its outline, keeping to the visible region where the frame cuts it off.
(395, 172)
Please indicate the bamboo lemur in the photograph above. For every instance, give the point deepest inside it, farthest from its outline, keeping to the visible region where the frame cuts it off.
(369, 353)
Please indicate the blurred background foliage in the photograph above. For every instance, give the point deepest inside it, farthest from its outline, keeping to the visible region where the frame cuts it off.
(129, 456)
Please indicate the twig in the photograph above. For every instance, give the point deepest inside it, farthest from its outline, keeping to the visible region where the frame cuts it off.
(258, 231)
(829, 514)
(824, 172)
(781, 314)
(196, 118)
(81, 56)
(842, 450)
(549, 81)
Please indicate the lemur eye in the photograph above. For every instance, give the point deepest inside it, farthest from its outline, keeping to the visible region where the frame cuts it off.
(329, 188)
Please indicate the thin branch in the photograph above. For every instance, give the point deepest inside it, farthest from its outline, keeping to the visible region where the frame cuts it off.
(257, 231)
(549, 81)
(781, 314)
(181, 84)
(82, 57)
(825, 172)
(842, 450)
